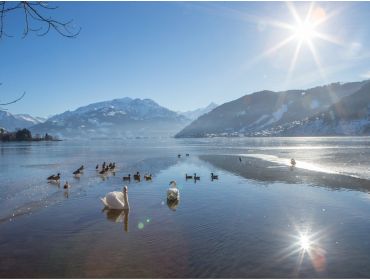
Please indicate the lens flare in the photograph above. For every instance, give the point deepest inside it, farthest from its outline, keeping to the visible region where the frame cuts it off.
(304, 242)
(304, 31)
(140, 225)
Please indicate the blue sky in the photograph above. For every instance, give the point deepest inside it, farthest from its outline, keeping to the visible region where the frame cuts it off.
(183, 55)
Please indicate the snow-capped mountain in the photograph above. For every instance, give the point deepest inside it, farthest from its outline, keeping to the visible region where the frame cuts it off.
(12, 122)
(123, 117)
(194, 114)
(349, 116)
(265, 110)
(31, 119)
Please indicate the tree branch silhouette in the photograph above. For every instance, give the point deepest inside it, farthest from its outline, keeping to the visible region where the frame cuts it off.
(11, 102)
(36, 19)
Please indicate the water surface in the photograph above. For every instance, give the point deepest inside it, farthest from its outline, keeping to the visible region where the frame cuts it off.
(246, 224)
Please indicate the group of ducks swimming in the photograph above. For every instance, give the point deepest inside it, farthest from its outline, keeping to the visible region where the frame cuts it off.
(137, 177)
(197, 178)
(119, 199)
(105, 168)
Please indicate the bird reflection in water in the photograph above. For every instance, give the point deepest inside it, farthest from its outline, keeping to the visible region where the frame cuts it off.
(172, 204)
(118, 216)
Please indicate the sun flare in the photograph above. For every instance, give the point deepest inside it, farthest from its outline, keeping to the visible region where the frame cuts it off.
(304, 31)
(304, 242)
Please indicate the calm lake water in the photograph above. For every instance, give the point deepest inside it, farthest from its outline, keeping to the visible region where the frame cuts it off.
(239, 226)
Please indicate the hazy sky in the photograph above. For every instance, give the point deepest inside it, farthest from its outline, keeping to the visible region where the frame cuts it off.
(183, 55)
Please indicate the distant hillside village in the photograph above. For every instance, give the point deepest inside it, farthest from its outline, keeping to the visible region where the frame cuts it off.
(24, 135)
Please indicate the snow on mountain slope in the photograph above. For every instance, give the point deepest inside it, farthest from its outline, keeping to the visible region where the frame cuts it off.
(349, 116)
(265, 110)
(12, 122)
(194, 114)
(124, 117)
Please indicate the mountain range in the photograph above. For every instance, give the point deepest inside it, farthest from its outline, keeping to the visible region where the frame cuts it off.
(334, 109)
(349, 116)
(292, 112)
(12, 122)
(125, 117)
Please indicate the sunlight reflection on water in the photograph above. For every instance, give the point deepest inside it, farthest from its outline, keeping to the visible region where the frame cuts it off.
(286, 161)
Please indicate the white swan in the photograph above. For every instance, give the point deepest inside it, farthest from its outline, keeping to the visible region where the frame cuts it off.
(116, 200)
(173, 192)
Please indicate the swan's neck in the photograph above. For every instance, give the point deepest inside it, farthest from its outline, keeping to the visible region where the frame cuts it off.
(125, 200)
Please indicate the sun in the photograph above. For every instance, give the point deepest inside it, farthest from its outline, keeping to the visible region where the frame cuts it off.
(305, 242)
(304, 31)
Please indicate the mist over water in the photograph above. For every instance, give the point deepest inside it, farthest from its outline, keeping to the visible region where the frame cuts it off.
(245, 224)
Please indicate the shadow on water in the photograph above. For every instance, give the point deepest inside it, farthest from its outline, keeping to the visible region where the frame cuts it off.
(266, 171)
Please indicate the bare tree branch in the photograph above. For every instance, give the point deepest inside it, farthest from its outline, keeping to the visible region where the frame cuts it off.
(34, 13)
(13, 101)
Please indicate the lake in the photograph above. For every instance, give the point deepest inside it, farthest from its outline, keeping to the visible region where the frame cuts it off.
(260, 219)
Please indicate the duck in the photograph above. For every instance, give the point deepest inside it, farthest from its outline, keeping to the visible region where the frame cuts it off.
(127, 178)
(173, 192)
(148, 177)
(292, 162)
(240, 159)
(97, 167)
(55, 178)
(103, 165)
(196, 177)
(187, 155)
(66, 185)
(188, 176)
(77, 172)
(113, 166)
(214, 177)
(179, 156)
(116, 200)
(137, 176)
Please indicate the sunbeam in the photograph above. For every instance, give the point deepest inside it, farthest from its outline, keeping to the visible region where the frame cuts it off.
(305, 31)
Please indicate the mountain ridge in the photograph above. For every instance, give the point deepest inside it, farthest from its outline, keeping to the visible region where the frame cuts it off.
(348, 116)
(123, 117)
(11, 122)
(263, 110)
(194, 114)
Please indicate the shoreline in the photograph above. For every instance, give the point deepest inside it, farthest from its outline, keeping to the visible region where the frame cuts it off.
(266, 171)
(31, 140)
